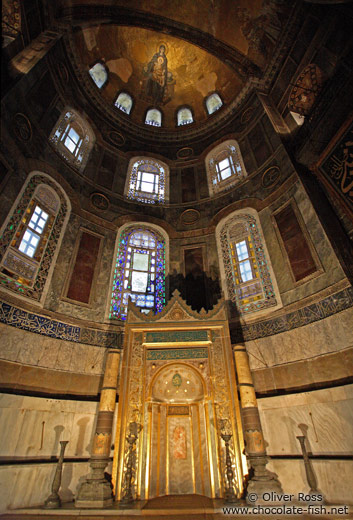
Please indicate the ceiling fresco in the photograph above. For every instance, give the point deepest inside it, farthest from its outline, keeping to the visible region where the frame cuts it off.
(250, 26)
(156, 69)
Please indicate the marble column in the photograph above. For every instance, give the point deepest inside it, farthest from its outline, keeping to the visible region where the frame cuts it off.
(262, 480)
(96, 491)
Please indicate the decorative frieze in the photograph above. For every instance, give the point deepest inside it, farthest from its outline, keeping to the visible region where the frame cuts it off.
(21, 319)
(180, 353)
(176, 336)
(317, 311)
(324, 308)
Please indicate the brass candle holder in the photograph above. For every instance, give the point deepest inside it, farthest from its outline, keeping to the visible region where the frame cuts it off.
(134, 430)
(226, 434)
(53, 501)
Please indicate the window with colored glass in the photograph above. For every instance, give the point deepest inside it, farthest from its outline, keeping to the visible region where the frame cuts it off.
(139, 273)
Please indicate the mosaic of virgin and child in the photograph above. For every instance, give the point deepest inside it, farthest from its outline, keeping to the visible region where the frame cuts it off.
(159, 80)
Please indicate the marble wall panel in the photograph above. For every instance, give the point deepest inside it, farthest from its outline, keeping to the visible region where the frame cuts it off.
(83, 272)
(334, 478)
(326, 417)
(101, 289)
(332, 269)
(29, 485)
(33, 426)
(33, 349)
(329, 335)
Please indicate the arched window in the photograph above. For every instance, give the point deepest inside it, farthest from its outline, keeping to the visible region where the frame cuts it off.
(139, 273)
(153, 117)
(225, 167)
(99, 74)
(247, 276)
(213, 103)
(31, 235)
(124, 102)
(73, 138)
(147, 180)
(184, 116)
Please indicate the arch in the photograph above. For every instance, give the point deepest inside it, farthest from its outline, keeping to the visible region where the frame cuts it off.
(224, 166)
(247, 276)
(147, 180)
(153, 117)
(73, 138)
(199, 392)
(213, 103)
(124, 102)
(140, 269)
(184, 116)
(31, 236)
(99, 74)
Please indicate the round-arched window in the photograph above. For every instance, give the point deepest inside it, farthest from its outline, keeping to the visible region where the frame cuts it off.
(213, 103)
(124, 102)
(154, 117)
(184, 116)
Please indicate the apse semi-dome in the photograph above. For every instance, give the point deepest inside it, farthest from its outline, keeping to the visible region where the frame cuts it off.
(160, 71)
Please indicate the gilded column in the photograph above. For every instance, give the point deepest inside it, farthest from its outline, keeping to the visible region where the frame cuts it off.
(96, 491)
(262, 481)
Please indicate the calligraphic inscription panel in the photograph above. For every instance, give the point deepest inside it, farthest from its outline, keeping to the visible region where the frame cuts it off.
(178, 410)
(180, 353)
(338, 166)
(176, 336)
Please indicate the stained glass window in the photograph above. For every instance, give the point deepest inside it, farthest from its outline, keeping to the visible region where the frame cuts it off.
(154, 117)
(147, 181)
(184, 116)
(33, 232)
(225, 166)
(213, 103)
(73, 138)
(139, 273)
(124, 102)
(31, 236)
(245, 264)
(99, 74)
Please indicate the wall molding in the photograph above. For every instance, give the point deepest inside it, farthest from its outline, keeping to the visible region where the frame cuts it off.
(21, 319)
(316, 311)
(47, 326)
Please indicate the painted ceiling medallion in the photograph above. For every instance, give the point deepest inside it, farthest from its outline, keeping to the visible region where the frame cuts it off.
(185, 152)
(247, 115)
(22, 127)
(271, 177)
(100, 201)
(115, 138)
(190, 216)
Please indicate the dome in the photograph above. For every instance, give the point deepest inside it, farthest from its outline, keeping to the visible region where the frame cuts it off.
(176, 221)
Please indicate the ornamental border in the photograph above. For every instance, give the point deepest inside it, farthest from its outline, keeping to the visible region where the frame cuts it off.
(45, 326)
(329, 306)
(324, 308)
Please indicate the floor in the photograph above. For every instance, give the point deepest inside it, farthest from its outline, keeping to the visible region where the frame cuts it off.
(175, 507)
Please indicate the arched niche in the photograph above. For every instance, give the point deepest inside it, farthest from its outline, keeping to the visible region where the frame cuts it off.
(177, 383)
